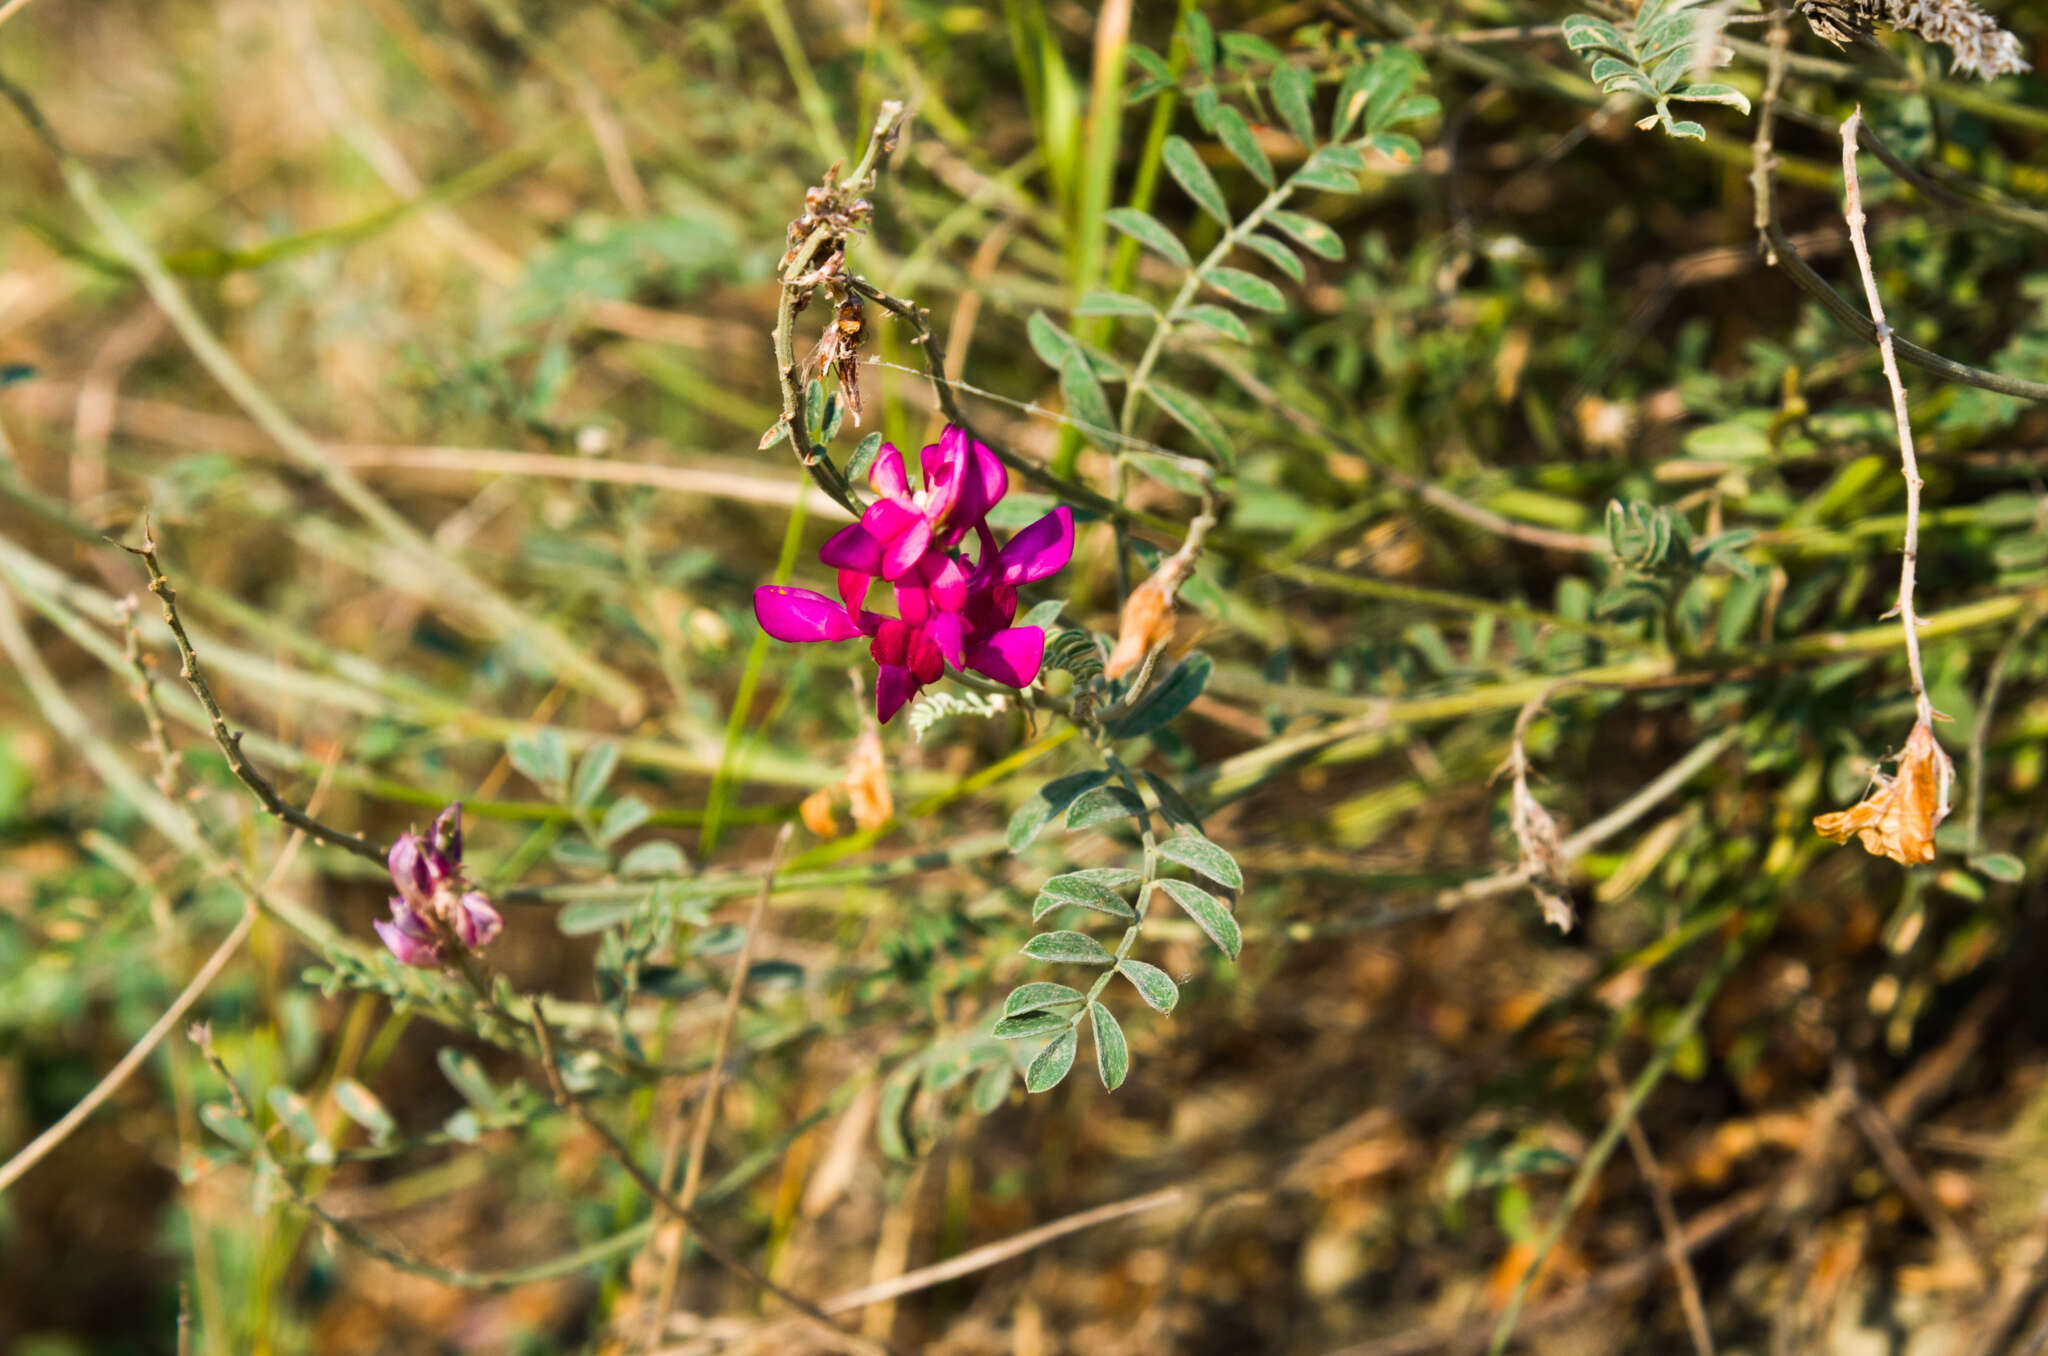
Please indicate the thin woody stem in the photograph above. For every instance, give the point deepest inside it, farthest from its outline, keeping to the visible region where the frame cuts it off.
(1909, 466)
(621, 1154)
(230, 741)
(707, 1102)
(799, 263)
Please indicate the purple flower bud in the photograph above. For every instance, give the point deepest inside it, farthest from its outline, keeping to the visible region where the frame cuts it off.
(447, 834)
(409, 869)
(408, 937)
(476, 922)
(427, 872)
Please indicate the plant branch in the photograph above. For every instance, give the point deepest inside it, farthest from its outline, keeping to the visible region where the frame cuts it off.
(1852, 190)
(1625, 1113)
(842, 207)
(230, 741)
(707, 1103)
(448, 578)
(621, 1154)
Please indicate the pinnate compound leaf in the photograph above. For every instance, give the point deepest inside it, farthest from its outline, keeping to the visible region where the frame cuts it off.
(1218, 318)
(1052, 1063)
(1048, 803)
(1199, 854)
(1086, 403)
(1238, 138)
(1192, 415)
(1149, 232)
(1102, 805)
(360, 1105)
(1114, 303)
(1211, 914)
(1112, 1052)
(1076, 947)
(1153, 984)
(1165, 700)
(1084, 890)
(1293, 92)
(1184, 163)
(1029, 1024)
(1246, 289)
(1039, 994)
(1313, 235)
(1276, 254)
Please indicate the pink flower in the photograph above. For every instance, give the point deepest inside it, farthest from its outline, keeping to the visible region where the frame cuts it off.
(428, 875)
(962, 482)
(949, 610)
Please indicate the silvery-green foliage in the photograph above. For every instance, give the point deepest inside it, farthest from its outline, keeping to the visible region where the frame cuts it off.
(933, 707)
(1654, 56)
(1234, 282)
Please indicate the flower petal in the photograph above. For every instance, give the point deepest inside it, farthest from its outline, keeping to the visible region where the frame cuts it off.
(853, 588)
(1040, 550)
(984, 481)
(410, 950)
(448, 833)
(902, 554)
(913, 604)
(946, 580)
(853, 548)
(887, 475)
(799, 615)
(949, 633)
(477, 922)
(1011, 657)
(927, 665)
(942, 470)
(407, 861)
(892, 643)
(893, 687)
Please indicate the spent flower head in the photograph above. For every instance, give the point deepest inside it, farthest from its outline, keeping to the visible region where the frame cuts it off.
(1898, 817)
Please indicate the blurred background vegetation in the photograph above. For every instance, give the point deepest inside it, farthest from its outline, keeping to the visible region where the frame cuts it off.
(513, 267)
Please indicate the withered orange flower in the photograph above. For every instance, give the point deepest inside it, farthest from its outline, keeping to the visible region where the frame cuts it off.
(1147, 624)
(1898, 818)
(865, 789)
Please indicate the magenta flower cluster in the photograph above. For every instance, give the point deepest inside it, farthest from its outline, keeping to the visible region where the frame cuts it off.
(427, 872)
(951, 610)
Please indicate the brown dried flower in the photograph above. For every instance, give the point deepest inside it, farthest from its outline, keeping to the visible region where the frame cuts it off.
(867, 781)
(1981, 47)
(1899, 816)
(864, 790)
(1542, 851)
(1147, 624)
